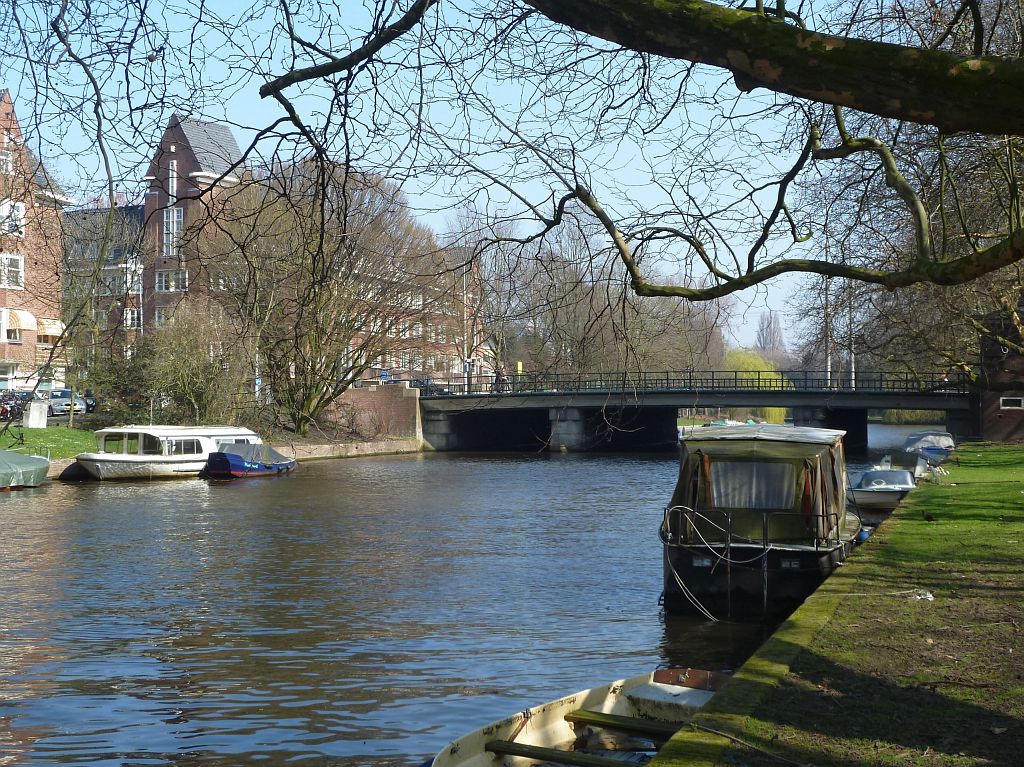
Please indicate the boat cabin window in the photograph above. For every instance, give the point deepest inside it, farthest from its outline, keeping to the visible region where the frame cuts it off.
(183, 447)
(151, 445)
(113, 443)
(753, 485)
(237, 441)
(131, 444)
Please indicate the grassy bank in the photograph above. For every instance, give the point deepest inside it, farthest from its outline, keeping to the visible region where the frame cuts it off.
(57, 441)
(911, 654)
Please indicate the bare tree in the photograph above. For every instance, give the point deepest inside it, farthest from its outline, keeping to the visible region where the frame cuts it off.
(323, 271)
(682, 130)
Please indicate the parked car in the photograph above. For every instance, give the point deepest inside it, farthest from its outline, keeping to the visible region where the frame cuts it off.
(428, 387)
(61, 402)
(90, 401)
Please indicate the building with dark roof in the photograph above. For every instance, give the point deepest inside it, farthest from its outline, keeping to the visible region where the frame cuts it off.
(194, 161)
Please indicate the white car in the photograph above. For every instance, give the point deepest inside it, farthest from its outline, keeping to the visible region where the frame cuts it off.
(61, 403)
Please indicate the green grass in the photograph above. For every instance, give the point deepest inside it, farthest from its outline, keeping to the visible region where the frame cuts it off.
(60, 441)
(881, 677)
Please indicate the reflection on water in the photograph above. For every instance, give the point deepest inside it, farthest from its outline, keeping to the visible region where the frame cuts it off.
(364, 611)
(360, 612)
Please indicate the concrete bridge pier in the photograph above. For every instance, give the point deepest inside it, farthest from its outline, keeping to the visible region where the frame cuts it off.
(568, 429)
(854, 421)
(438, 431)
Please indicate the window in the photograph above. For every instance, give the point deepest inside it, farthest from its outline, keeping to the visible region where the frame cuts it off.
(183, 447)
(161, 316)
(99, 318)
(172, 281)
(12, 217)
(6, 163)
(130, 317)
(753, 485)
(12, 271)
(13, 335)
(172, 179)
(6, 374)
(173, 221)
(1011, 403)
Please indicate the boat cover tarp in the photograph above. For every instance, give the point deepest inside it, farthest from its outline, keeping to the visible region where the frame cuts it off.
(923, 439)
(255, 453)
(19, 470)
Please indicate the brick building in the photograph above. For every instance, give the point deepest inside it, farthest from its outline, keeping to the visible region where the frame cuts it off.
(31, 251)
(194, 162)
(195, 165)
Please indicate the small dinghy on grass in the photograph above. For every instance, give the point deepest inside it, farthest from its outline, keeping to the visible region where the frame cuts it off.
(619, 723)
(237, 461)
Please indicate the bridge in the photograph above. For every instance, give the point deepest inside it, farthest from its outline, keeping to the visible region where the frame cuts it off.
(629, 410)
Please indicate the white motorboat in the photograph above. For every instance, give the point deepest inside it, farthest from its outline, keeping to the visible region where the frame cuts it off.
(151, 452)
(882, 489)
(626, 718)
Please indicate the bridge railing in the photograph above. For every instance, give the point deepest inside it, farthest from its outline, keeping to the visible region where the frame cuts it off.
(696, 381)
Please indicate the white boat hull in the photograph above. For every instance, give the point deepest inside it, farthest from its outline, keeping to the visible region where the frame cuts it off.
(140, 467)
(639, 697)
(878, 498)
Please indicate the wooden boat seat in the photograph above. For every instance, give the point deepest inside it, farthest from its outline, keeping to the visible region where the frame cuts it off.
(631, 724)
(552, 755)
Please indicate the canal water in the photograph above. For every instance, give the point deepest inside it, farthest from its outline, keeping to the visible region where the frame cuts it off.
(358, 612)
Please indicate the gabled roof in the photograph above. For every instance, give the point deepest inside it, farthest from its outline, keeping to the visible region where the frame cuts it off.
(213, 144)
(44, 182)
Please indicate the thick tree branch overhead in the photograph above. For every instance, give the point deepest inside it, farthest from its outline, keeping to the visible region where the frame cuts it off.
(933, 87)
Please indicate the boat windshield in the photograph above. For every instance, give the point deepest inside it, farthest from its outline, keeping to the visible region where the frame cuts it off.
(753, 485)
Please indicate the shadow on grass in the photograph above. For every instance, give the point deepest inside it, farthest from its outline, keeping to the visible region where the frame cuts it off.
(824, 713)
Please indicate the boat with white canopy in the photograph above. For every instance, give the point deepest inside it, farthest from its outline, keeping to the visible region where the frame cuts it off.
(151, 452)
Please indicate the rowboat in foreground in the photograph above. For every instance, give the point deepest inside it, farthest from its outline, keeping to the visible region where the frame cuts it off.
(625, 721)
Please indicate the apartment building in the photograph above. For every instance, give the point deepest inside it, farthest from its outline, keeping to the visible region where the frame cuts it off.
(31, 251)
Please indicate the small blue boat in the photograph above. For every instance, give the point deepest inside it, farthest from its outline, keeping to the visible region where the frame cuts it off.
(247, 461)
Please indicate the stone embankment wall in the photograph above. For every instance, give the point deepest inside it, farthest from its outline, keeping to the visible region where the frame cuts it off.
(384, 411)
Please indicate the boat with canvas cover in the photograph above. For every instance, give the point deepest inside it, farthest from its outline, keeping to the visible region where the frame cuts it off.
(757, 521)
(18, 470)
(238, 461)
(935, 446)
(154, 452)
(622, 722)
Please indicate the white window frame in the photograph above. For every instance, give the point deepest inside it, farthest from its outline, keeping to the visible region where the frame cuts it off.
(161, 317)
(12, 263)
(6, 162)
(174, 219)
(12, 218)
(131, 317)
(171, 281)
(172, 179)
